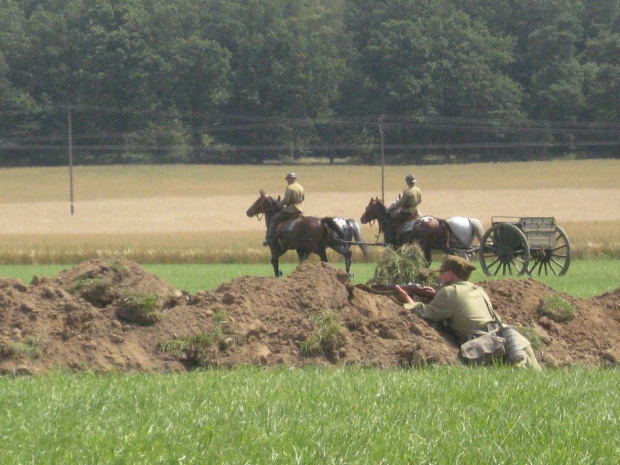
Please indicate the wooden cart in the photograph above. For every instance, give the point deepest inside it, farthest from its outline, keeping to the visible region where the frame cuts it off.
(529, 245)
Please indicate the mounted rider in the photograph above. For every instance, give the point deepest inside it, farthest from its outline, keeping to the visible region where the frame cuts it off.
(405, 208)
(290, 204)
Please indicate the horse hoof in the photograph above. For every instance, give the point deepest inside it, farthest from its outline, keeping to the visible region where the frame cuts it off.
(279, 274)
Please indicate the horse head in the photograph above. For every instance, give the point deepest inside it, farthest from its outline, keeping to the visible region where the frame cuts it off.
(263, 204)
(375, 210)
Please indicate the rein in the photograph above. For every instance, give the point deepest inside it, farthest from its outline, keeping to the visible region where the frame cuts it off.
(268, 210)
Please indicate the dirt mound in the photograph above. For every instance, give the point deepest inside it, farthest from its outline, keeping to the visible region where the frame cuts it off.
(86, 318)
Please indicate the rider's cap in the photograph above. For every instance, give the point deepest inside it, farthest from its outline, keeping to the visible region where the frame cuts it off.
(291, 175)
(459, 266)
(410, 178)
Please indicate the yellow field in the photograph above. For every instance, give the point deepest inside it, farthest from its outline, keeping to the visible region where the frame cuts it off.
(197, 213)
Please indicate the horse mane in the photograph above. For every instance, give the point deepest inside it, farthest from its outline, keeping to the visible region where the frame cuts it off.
(382, 207)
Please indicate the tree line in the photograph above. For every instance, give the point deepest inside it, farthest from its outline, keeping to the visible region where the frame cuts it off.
(250, 81)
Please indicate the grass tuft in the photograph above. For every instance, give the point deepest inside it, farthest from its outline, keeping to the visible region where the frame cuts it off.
(556, 307)
(180, 346)
(140, 308)
(531, 335)
(198, 350)
(328, 335)
(29, 347)
(84, 281)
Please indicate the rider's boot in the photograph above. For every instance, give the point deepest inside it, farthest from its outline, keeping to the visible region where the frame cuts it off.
(271, 236)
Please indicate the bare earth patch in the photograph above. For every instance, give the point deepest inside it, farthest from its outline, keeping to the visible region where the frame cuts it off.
(312, 317)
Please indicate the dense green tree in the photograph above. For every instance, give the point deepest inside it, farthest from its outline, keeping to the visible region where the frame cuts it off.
(602, 57)
(430, 59)
(190, 69)
(556, 89)
(192, 81)
(18, 110)
(286, 63)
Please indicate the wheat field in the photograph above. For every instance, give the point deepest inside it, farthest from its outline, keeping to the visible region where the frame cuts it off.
(197, 213)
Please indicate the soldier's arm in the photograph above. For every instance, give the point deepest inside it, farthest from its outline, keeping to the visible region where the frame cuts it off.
(287, 198)
(439, 309)
(400, 201)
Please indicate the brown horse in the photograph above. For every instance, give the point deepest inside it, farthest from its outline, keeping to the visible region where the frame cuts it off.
(307, 234)
(429, 232)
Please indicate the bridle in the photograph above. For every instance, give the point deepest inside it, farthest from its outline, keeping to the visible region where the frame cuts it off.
(264, 198)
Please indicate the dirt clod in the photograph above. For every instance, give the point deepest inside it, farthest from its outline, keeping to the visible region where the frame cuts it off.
(313, 317)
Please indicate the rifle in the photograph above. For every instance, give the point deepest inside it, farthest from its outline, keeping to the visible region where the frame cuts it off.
(426, 292)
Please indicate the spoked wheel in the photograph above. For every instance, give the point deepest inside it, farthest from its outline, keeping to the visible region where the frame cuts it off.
(552, 261)
(504, 250)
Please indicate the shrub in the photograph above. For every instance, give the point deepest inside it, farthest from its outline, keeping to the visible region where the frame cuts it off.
(402, 266)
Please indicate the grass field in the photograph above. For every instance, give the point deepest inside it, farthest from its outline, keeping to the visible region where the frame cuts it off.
(196, 214)
(329, 416)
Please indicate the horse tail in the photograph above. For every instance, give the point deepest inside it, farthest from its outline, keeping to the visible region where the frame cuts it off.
(478, 228)
(357, 235)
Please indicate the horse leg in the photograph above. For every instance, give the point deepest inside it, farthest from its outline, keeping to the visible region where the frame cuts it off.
(274, 262)
(428, 255)
(302, 255)
(346, 253)
(322, 252)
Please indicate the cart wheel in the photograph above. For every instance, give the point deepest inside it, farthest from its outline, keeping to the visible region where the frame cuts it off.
(504, 249)
(553, 261)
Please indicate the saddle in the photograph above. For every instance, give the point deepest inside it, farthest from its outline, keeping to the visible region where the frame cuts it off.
(289, 221)
(400, 222)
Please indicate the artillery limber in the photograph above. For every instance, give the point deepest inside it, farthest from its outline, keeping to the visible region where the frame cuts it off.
(529, 245)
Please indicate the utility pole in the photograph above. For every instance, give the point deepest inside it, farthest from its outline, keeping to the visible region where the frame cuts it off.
(70, 158)
(382, 160)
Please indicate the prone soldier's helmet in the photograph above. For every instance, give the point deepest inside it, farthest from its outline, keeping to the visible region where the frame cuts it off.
(410, 178)
(458, 265)
(291, 175)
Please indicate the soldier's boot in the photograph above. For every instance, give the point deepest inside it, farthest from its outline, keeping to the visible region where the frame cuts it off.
(271, 235)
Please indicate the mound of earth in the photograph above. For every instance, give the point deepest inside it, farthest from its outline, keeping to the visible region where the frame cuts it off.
(105, 315)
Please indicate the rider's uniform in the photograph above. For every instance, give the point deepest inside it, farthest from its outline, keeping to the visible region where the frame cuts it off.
(409, 201)
(290, 204)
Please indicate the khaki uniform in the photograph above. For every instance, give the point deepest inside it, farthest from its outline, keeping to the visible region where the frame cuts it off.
(466, 308)
(293, 197)
(409, 201)
(290, 204)
(462, 305)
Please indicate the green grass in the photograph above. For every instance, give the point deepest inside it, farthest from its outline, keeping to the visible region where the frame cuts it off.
(283, 416)
(585, 278)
